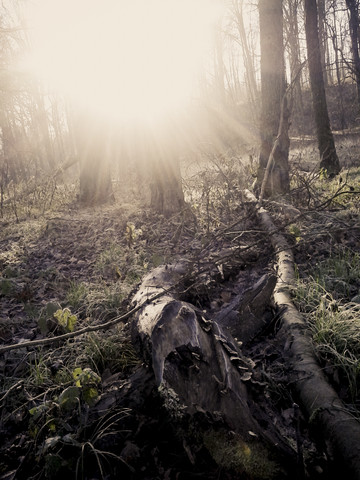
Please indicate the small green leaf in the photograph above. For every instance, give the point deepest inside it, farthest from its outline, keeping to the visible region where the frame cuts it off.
(66, 319)
(36, 412)
(52, 427)
(69, 398)
(88, 377)
(76, 374)
(90, 395)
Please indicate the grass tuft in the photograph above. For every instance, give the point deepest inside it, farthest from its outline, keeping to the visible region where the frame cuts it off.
(334, 320)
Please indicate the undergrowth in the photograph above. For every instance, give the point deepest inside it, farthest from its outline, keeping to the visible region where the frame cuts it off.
(329, 296)
(48, 393)
(51, 396)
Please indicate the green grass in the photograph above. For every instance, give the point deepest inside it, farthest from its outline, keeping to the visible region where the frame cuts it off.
(113, 352)
(333, 319)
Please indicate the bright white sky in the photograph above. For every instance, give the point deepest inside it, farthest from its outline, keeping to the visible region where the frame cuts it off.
(124, 59)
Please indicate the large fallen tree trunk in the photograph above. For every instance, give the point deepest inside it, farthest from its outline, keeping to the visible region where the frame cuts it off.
(199, 367)
(340, 429)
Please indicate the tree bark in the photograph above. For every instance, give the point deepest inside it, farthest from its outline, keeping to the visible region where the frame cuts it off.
(329, 159)
(272, 91)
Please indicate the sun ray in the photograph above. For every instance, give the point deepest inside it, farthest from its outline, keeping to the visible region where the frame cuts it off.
(125, 60)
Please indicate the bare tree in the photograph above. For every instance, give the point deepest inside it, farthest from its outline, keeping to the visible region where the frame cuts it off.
(167, 196)
(322, 37)
(92, 145)
(248, 56)
(291, 14)
(329, 159)
(353, 7)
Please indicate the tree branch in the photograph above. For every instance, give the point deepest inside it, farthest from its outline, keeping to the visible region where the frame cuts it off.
(82, 331)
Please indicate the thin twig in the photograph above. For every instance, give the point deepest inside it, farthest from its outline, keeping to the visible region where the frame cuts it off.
(13, 387)
(82, 331)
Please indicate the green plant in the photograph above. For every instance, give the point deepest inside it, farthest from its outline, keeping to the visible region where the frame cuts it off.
(294, 230)
(66, 319)
(108, 426)
(131, 234)
(76, 294)
(39, 371)
(340, 273)
(113, 352)
(87, 381)
(335, 329)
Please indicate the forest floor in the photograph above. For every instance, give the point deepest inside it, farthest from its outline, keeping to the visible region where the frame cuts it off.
(60, 412)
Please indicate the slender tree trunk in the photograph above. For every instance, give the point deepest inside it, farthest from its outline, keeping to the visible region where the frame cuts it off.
(95, 177)
(219, 66)
(329, 159)
(322, 37)
(294, 52)
(42, 125)
(352, 6)
(95, 180)
(272, 92)
(167, 196)
(340, 94)
(248, 57)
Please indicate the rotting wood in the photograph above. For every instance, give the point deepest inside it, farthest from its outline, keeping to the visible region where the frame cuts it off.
(340, 429)
(197, 362)
(245, 315)
(191, 355)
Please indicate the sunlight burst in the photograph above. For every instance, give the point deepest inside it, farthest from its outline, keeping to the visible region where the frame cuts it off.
(125, 60)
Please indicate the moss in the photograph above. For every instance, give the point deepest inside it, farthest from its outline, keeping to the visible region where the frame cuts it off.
(249, 458)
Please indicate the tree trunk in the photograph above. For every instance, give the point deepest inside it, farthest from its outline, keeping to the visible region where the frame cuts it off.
(272, 91)
(95, 178)
(322, 38)
(329, 159)
(340, 94)
(248, 59)
(167, 196)
(292, 24)
(352, 6)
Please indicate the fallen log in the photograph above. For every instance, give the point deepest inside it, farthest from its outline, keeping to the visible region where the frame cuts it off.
(340, 429)
(190, 354)
(199, 367)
